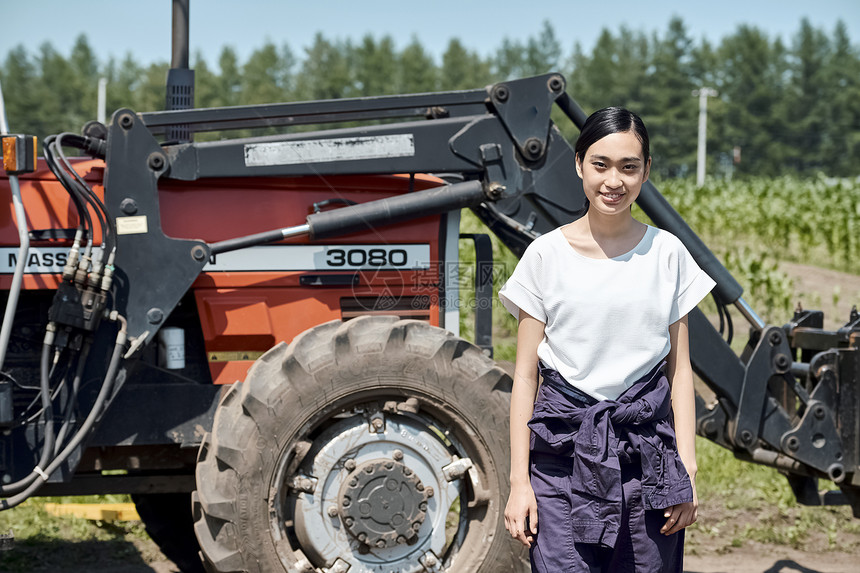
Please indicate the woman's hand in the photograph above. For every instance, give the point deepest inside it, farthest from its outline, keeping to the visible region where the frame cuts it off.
(521, 506)
(680, 516)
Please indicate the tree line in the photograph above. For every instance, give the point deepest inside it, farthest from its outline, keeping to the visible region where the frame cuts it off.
(782, 107)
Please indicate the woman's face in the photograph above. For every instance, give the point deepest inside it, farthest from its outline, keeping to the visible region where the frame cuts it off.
(613, 171)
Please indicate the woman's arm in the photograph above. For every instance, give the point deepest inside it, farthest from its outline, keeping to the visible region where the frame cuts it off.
(684, 407)
(521, 503)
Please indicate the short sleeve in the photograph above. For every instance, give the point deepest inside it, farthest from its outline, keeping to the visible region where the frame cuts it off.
(523, 288)
(693, 285)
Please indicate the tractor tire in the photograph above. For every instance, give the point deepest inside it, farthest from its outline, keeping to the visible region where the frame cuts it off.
(373, 445)
(167, 519)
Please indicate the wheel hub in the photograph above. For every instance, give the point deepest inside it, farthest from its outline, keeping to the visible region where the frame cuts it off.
(383, 503)
(329, 530)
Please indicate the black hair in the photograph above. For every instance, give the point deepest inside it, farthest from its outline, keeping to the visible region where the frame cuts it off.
(611, 120)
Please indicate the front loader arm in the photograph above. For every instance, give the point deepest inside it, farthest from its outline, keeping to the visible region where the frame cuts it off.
(789, 400)
(779, 403)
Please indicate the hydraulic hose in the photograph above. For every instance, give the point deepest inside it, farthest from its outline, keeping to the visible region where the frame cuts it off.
(84, 430)
(85, 220)
(48, 416)
(86, 144)
(70, 404)
(23, 250)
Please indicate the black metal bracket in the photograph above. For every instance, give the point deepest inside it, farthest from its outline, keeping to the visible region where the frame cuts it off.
(815, 440)
(153, 271)
(524, 108)
(711, 422)
(483, 290)
(771, 357)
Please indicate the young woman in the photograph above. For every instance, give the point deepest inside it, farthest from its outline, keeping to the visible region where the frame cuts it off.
(603, 461)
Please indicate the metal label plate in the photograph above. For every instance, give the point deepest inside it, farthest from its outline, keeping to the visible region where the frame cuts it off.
(265, 258)
(327, 150)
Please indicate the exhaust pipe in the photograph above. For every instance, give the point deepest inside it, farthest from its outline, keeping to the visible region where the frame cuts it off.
(180, 79)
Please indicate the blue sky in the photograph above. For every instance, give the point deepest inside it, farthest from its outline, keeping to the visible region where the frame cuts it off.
(142, 28)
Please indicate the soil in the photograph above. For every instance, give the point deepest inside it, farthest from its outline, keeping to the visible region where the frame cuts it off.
(142, 556)
(831, 291)
(758, 558)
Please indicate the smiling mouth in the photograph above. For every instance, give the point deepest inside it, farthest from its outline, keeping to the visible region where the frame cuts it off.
(612, 196)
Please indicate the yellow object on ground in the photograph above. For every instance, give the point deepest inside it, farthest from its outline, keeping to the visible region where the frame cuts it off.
(95, 511)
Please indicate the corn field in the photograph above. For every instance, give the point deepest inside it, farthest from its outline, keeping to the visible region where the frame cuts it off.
(812, 221)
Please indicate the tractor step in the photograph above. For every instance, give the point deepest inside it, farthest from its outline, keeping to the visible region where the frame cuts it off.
(95, 511)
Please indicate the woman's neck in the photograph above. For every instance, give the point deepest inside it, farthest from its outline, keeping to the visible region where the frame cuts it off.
(610, 227)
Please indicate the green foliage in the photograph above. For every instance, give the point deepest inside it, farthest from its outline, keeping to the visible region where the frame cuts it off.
(753, 224)
(766, 288)
(417, 71)
(31, 521)
(463, 69)
(45, 542)
(790, 107)
(798, 219)
(538, 55)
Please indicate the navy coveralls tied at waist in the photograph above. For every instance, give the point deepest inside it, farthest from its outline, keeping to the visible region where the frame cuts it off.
(596, 437)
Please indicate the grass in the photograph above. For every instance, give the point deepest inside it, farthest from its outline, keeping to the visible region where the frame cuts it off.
(30, 520)
(741, 502)
(44, 542)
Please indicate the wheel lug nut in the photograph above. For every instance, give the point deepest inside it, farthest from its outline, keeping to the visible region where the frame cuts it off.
(348, 521)
(362, 537)
(429, 492)
(398, 455)
(401, 540)
(332, 511)
(380, 544)
(349, 465)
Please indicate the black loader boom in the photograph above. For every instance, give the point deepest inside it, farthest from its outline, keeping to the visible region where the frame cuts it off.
(788, 401)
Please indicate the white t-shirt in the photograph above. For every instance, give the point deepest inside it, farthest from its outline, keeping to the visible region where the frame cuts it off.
(607, 320)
